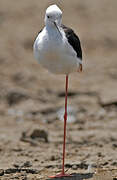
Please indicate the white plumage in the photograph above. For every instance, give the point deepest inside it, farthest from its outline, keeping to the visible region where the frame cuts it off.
(51, 47)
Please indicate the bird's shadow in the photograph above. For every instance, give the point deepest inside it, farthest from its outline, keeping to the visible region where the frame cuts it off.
(76, 176)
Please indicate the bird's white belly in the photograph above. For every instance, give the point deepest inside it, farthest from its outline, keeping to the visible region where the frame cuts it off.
(58, 62)
(55, 56)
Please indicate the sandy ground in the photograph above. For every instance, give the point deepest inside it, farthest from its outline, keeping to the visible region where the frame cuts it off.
(31, 132)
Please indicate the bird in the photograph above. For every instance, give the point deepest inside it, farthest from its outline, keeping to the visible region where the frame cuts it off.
(58, 49)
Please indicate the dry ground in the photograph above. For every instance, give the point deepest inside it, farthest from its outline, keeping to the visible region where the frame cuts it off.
(30, 97)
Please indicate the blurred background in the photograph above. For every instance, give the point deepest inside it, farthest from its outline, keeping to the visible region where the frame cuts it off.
(32, 99)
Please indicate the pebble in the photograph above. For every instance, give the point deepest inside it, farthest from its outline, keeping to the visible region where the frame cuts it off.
(52, 158)
(74, 167)
(38, 133)
(1, 172)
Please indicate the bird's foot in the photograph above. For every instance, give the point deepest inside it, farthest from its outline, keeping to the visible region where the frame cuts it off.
(60, 175)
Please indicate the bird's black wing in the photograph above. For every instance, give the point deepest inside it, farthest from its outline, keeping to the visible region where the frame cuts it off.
(73, 40)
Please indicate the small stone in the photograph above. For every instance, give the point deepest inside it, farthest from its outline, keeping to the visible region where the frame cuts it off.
(74, 167)
(16, 165)
(99, 154)
(114, 145)
(52, 158)
(105, 163)
(114, 163)
(1, 172)
(27, 164)
(38, 133)
(35, 160)
(11, 170)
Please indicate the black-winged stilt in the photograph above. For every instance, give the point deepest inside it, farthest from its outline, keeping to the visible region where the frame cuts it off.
(57, 48)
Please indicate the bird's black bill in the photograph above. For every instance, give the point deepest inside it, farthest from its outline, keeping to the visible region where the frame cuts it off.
(57, 28)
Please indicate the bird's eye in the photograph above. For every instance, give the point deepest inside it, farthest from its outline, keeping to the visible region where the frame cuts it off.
(48, 16)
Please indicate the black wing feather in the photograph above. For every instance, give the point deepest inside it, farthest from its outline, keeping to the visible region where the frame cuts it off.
(73, 40)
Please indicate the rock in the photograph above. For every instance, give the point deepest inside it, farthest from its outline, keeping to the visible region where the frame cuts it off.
(27, 164)
(74, 167)
(83, 165)
(1, 172)
(11, 170)
(38, 133)
(16, 165)
(114, 163)
(19, 170)
(34, 135)
(52, 158)
(114, 145)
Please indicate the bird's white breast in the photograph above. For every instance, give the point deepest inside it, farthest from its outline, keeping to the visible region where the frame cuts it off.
(54, 53)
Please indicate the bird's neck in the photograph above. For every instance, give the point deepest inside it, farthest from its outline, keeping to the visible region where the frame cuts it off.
(50, 26)
(52, 30)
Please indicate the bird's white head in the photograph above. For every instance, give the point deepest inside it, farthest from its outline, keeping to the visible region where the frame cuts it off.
(53, 16)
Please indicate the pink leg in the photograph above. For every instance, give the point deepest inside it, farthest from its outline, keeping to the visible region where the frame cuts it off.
(64, 140)
(65, 121)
